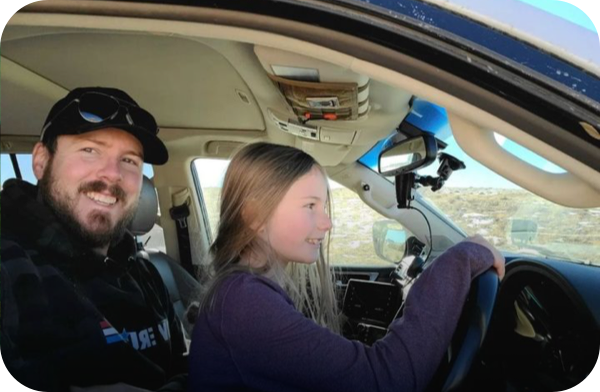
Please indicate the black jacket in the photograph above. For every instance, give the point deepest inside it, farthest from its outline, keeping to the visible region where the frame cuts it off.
(73, 317)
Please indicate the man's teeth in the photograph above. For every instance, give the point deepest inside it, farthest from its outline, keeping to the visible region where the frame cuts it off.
(102, 199)
(313, 241)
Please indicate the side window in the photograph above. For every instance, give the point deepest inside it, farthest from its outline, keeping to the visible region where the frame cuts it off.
(6, 168)
(210, 174)
(360, 236)
(24, 161)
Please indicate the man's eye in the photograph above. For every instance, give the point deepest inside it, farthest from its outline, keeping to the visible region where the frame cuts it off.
(88, 150)
(131, 161)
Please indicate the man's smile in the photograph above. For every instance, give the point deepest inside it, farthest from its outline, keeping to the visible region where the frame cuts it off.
(105, 200)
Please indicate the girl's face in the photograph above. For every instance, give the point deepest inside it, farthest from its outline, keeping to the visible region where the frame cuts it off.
(300, 221)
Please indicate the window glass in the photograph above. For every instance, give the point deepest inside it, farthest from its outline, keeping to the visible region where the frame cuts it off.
(7, 170)
(514, 219)
(210, 174)
(360, 235)
(479, 201)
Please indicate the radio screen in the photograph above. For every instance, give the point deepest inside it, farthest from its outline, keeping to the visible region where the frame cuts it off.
(372, 301)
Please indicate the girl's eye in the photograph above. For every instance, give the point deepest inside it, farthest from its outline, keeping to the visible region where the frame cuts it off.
(310, 206)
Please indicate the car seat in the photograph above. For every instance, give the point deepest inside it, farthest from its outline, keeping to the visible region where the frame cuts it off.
(183, 287)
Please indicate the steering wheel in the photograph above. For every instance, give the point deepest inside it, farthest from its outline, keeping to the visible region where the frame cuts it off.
(470, 332)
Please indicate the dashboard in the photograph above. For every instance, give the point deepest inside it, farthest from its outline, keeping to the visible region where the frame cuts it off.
(545, 329)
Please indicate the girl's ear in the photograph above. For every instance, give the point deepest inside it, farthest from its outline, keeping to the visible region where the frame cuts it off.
(39, 160)
(255, 226)
(251, 217)
(262, 232)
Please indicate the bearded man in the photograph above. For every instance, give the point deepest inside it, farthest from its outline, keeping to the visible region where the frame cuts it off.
(79, 309)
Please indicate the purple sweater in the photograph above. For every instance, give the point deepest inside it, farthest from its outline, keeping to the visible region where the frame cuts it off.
(255, 340)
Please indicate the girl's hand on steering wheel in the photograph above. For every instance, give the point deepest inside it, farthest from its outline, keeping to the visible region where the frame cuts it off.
(499, 261)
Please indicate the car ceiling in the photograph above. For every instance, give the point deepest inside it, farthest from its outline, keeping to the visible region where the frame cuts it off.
(185, 83)
(193, 85)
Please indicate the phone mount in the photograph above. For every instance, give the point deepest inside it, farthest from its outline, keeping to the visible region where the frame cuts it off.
(406, 183)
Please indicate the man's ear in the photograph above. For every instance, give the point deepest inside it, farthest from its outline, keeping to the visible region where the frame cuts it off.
(39, 159)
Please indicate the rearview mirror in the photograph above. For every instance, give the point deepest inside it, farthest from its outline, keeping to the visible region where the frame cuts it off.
(408, 155)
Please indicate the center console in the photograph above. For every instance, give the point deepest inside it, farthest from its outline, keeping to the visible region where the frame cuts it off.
(370, 307)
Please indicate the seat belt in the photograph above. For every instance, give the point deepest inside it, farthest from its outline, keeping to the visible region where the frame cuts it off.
(180, 213)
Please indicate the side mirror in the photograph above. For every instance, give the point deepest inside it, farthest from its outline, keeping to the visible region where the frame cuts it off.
(408, 155)
(389, 240)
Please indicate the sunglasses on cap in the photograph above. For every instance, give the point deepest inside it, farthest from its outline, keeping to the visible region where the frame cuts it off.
(98, 108)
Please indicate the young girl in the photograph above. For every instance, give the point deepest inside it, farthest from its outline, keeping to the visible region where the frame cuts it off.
(268, 321)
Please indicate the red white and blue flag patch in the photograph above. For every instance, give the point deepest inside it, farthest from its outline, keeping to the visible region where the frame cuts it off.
(111, 335)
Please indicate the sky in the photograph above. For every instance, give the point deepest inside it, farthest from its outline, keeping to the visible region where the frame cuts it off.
(565, 11)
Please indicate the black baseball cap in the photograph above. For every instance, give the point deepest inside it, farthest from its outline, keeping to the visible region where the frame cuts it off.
(88, 109)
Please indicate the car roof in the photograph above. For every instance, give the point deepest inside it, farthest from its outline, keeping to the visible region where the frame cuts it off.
(553, 48)
(556, 27)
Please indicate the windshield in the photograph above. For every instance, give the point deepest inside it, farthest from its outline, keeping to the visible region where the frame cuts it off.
(480, 201)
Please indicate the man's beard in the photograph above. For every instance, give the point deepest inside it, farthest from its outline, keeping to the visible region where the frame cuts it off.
(63, 206)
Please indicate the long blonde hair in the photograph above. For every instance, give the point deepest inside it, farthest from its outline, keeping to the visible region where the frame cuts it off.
(256, 181)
